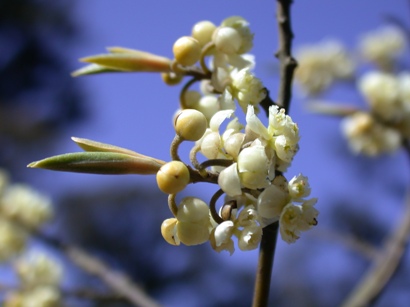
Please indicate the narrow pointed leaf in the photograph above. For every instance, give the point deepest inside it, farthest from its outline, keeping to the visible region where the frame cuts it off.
(99, 163)
(90, 145)
(131, 61)
(117, 49)
(91, 69)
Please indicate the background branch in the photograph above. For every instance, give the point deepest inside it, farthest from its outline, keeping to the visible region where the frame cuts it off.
(117, 281)
(383, 268)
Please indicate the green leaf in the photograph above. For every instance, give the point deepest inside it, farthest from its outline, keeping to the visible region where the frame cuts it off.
(91, 69)
(123, 60)
(100, 163)
(90, 145)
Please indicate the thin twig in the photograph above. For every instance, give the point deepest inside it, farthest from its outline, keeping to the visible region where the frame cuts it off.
(117, 281)
(384, 267)
(287, 62)
(365, 249)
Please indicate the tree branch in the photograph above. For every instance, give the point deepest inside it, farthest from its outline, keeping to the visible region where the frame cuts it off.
(265, 264)
(117, 281)
(384, 266)
(287, 62)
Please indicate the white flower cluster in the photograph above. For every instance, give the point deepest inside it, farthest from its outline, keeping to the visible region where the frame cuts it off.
(20, 207)
(384, 128)
(382, 46)
(320, 65)
(246, 160)
(231, 76)
(39, 277)
(386, 125)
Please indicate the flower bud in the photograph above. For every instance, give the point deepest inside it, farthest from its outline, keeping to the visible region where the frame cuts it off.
(191, 99)
(227, 40)
(190, 124)
(192, 233)
(202, 31)
(173, 177)
(168, 231)
(193, 210)
(171, 78)
(187, 50)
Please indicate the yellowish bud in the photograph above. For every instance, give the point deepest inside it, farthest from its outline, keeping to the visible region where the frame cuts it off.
(168, 231)
(202, 31)
(171, 78)
(173, 177)
(187, 50)
(190, 124)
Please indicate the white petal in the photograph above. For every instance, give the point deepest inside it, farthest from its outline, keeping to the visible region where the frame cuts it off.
(229, 182)
(218, 119)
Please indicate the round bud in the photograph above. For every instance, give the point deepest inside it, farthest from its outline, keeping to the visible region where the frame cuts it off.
(227, 40)
(193, 210)
(187, 50)
(168, 231)
(202, 31)
(192, 233)
(171, 78)
(191, 99)
(173, 177)
(190, 124)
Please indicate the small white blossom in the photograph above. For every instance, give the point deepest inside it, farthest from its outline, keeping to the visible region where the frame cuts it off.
(247, 89)
(248, 216)
(271, 203)
(382, 92)
(365, 135)
(25, 205)
(12, 240)
(221, 237)
(282, 134)
(229, 180)
(383, 45)
(299, 187)
(321, 64)
(250, 237)
(38, 270)
(43, 296)
(296, 218)
(227, 40)
(241, 25)
(253, 166)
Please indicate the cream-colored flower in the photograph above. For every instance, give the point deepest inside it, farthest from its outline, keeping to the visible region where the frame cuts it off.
(321, 64)
(297, 218)
(367, 136)
(282, 134)
(382, 92)
(250, 237)
(254, 166)
(221, 237)
(299, 187)
(25, 205)
(383, 45)
(12, 240)
(247, 89)
(38, 269)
